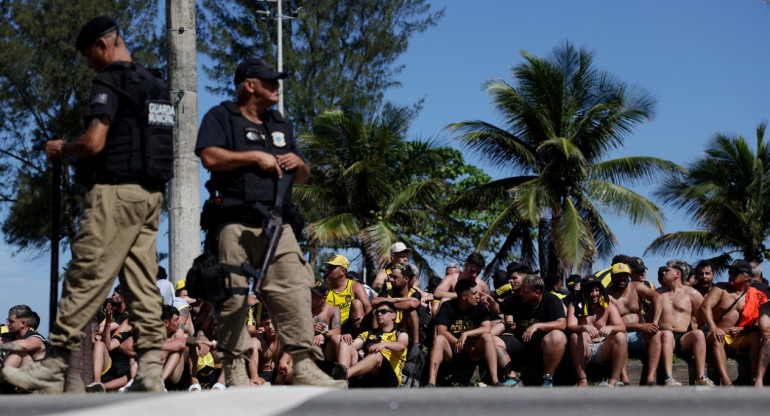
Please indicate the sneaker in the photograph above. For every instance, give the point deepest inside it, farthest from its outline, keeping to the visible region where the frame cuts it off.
(499, 384)
(652, 384)
(704, 381)
(621, 384)
(96, 388)
(604, 384)
(513, 382)
(672, 382)
(547, 381)
(429, 386)
(339, 372)
(124, 388)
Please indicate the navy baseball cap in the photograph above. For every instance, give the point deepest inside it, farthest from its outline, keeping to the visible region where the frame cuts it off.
(93, 30)
(256, 68)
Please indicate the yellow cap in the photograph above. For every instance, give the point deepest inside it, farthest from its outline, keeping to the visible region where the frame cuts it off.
(339, 260)
(179, 285)
(620, 268)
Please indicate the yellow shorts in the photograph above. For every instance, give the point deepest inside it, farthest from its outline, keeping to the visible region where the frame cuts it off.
(735, 345)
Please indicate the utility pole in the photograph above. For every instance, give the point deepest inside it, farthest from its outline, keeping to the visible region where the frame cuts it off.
(279, 18)
(184, 189)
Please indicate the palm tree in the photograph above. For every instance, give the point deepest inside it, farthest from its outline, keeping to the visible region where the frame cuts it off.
(725, 193)
(561, 122)
(368, 188)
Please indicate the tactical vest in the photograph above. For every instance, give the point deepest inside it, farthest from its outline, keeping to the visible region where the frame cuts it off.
(249, 184)
(139, 147)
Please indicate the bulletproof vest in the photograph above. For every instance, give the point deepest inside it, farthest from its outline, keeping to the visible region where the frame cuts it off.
(249, 184)
(139, 147)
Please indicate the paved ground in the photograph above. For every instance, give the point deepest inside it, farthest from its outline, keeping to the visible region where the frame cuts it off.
(289, 401)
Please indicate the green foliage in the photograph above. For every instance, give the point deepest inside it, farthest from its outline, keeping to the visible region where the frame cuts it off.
(725, 192)
(337, 52)
(560, 122)
(369, 188)
(44, 83)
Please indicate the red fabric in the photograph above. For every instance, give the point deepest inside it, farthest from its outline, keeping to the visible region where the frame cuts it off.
(754, 299)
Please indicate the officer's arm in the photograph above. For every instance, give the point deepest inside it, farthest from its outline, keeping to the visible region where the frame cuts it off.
(221, 160)
(89, 144)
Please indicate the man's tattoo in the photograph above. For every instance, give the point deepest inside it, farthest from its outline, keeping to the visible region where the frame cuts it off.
(502, 357)
(11, 347)
(766, 354)
(336, 319)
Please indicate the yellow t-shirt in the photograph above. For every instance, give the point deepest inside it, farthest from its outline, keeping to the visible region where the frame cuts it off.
(396, 359)
(342, 300)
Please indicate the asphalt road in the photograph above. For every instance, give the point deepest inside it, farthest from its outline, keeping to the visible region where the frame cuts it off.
(273, 401)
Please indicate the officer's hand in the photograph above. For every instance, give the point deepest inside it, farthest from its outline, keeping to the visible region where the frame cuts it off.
(289, 161)
(53, 148)
(267, 162)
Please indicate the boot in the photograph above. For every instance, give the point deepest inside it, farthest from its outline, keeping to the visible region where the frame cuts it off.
(235, 373)
(46, 376)
(149, 376)
(307, 373)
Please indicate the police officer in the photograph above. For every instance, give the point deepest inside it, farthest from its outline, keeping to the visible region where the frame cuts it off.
(118, 229)
(248, 148)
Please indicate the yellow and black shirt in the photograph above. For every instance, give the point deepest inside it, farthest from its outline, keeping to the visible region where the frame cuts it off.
(342, 300)
(396, 359)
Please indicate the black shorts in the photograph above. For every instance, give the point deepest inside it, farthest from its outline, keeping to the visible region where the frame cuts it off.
(521, 352)
(678, 351)
(384, 377)
(118, 368)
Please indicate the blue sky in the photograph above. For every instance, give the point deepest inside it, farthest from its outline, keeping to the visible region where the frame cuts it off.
(707, 62)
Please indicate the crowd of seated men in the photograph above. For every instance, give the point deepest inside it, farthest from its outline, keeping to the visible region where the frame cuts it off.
(524, 329)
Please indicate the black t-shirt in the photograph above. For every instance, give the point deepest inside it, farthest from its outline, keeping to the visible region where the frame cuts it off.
(217, 131)
(458, 321)
(549, 309)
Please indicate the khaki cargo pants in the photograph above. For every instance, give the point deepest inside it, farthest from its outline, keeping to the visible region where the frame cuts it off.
(285, 291)
(117, 237)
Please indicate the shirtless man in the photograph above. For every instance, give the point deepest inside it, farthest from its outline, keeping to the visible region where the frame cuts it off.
(679, 324)
(473, 266)
(627, 296)
(399, 254)
(268, 353)
(763, 352)
(704, 277)
(22, 344)
(597, 332)
(326, 323)
(175, 352)
(731, 311)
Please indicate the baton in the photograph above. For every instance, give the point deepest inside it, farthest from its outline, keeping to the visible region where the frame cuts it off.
(55, 225)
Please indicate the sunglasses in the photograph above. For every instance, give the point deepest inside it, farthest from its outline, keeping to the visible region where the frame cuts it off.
(382, 311)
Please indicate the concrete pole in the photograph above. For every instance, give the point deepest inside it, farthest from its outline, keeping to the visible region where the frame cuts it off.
(184, 190)
(279, 21)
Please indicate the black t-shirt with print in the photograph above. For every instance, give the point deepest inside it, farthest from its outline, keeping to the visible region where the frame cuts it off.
(458, 321)
(549, 309)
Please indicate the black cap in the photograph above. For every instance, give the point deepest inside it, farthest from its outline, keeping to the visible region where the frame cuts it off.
(573, 279)
(320, 288)
(93, 30)
(589, 281)
(637, 265)
(518, 267)
(256, 68)
(740, 266)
